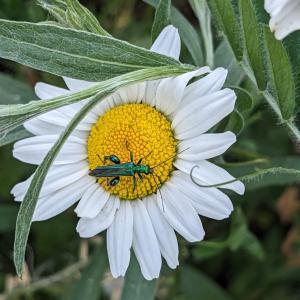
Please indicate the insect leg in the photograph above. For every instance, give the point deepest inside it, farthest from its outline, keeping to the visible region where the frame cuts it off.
(113, 158)
(114, 181)
(134, 182)
(140, 176)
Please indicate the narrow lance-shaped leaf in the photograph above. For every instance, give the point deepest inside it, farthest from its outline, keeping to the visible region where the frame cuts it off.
(252, 39)
(280, 75)
(136, 287)
(224, 57)
(226, 20)
(13, 136)
(26, 211)
(71, 13)
(290, 163)
(12, 116)
(73, 53)
(202, 12)
(257, 174)
(28, 205)
(187, 33)
(83, 18)
(162, 18)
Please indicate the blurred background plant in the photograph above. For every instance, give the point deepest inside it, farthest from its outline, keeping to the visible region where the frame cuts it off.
(251, 256)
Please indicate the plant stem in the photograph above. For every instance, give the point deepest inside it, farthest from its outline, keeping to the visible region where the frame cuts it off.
(60, 276)
(294, 130)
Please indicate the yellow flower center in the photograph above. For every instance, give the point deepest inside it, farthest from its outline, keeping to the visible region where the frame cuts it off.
(141, 130)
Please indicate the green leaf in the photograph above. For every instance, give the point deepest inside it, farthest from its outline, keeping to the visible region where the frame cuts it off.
(31, 197)
(89, 285)
(202, 12)
(28, 205)
(197, 285)
(241, 238)
(8, 214)
(136, 287)
(236, 122)
(280, 75)
(252, 39)
(162, 18)
(226, 20)
(77, 54)
(252, 245)
(72, 14)
(13, 136)
(208, 249)
(187, 33)
(244, 101)
(284, 171)
(12, 116)
(13, 91)
(83, 18)
(224, 57)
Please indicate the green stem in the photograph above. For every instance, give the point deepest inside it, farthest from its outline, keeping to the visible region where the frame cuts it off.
(294, 130)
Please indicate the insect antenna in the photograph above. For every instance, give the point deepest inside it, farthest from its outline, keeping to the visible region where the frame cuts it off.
(162, 199)
(145, 157)
(100, 159)
(163, 162)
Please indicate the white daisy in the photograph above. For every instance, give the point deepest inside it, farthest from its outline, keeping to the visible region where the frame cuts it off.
(164, 122)
(285, 16)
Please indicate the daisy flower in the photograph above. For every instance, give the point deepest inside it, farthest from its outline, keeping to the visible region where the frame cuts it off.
(159, 125)
(285, 16)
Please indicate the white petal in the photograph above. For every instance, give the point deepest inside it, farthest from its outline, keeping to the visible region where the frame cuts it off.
(20, 189)
(34, 149)
(208, 202)
(76, 84)
(164, 232)
(92, 202)
(179, 212)
(57, 202)
(57, 177)
(285, 16)
(209, 84)
(39, 127)
(150, 92)
(90, 227)
(62, 175)
(119, 240)
(170, 90)
(168, 42)
(205, 146)
(208, 174)
(131, 94)
(145, 244)
(57, 117)
(46, 91)
(196, 118)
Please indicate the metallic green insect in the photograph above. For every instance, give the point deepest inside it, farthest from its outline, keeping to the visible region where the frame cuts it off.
(121, 169)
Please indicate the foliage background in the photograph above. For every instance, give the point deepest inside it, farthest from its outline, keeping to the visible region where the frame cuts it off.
(253, 255)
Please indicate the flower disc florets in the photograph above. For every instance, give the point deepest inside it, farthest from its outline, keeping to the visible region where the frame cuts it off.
(142, 130)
